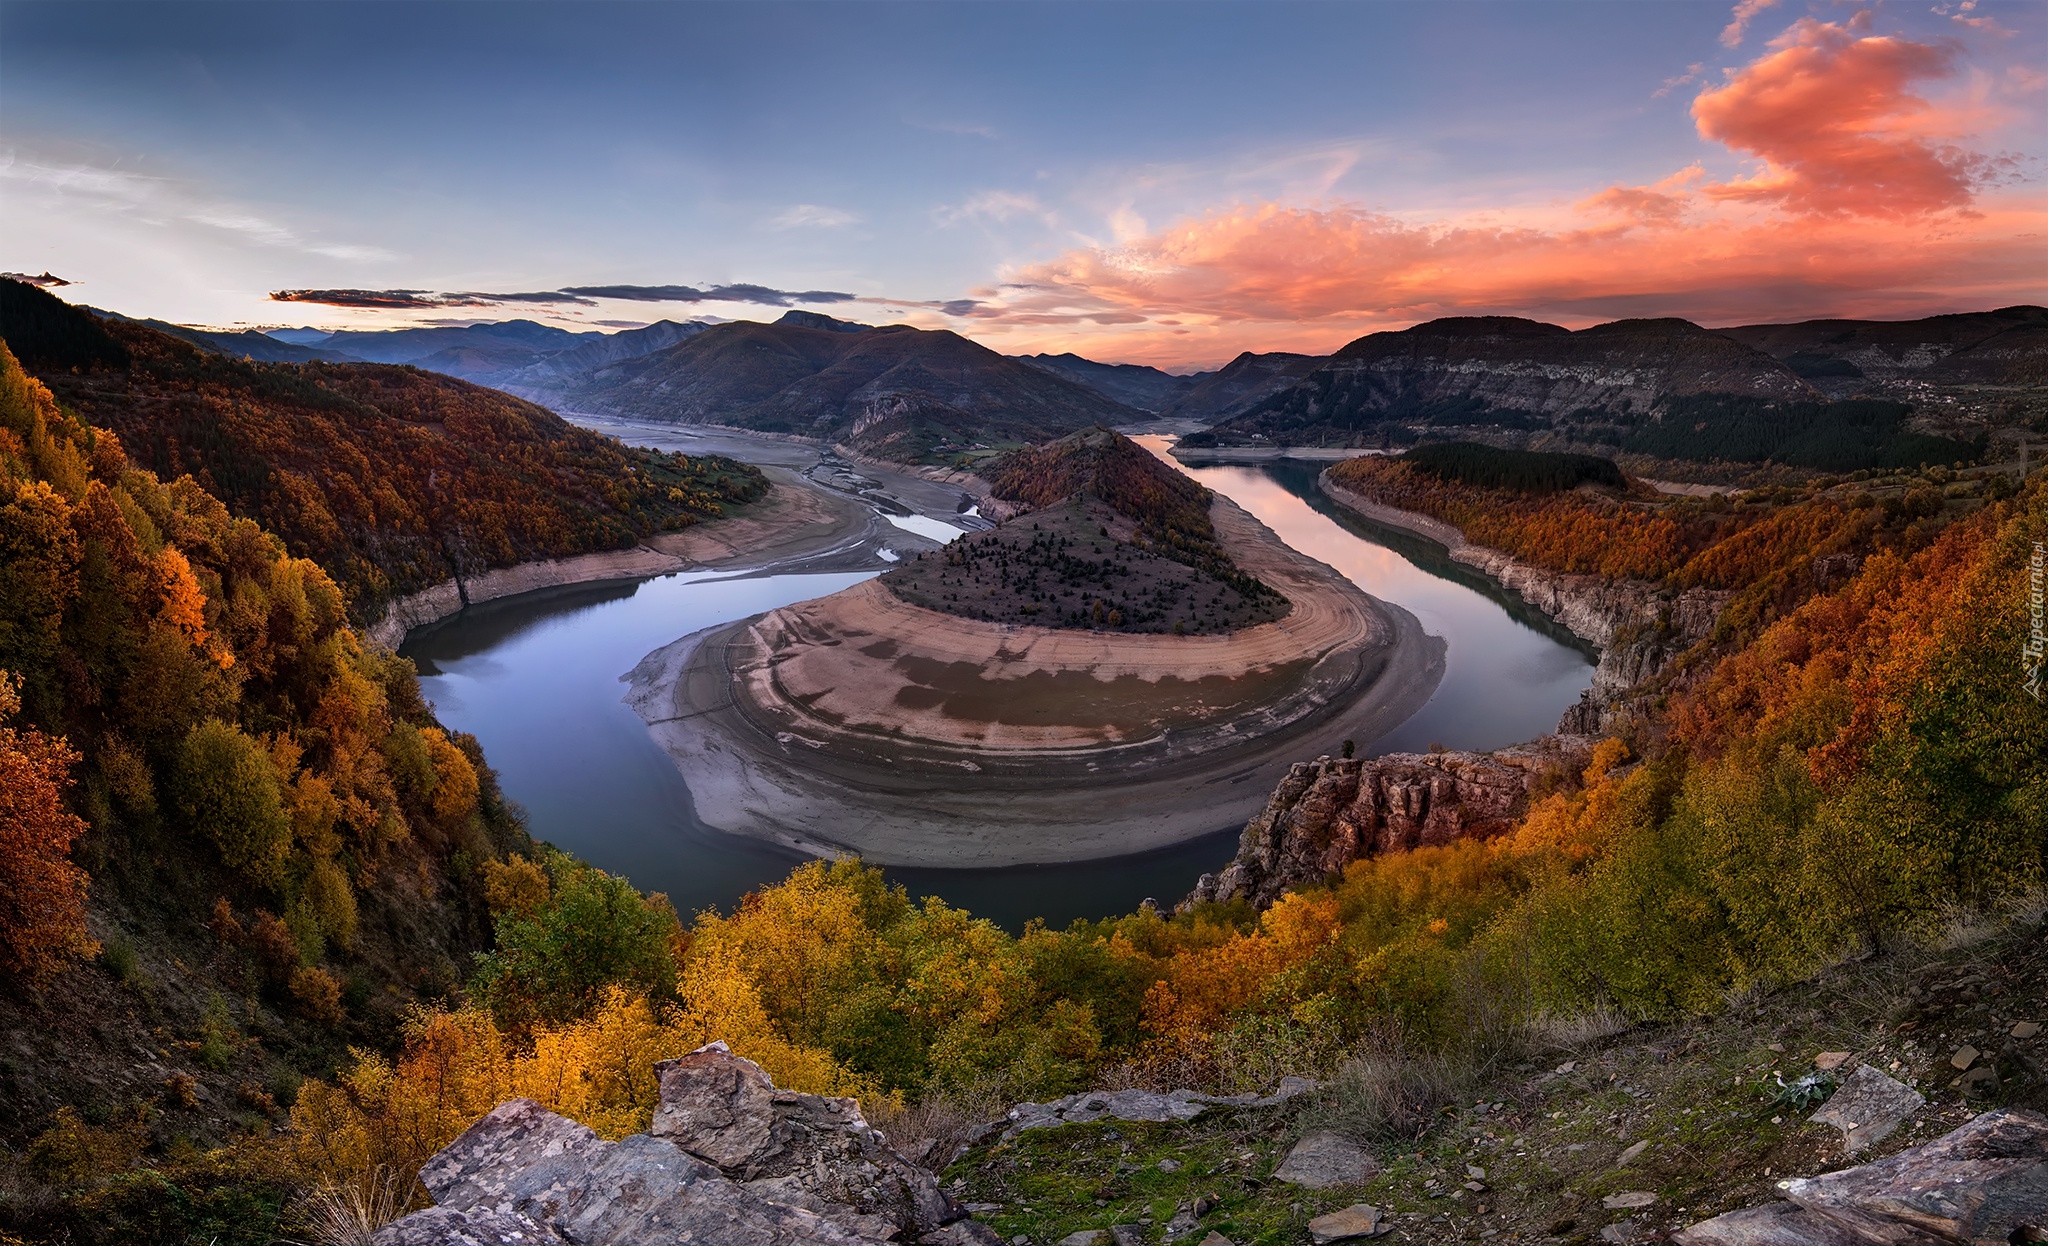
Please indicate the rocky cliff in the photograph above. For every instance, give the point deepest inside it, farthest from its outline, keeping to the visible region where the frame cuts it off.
(1327, 813)
(729, 1159)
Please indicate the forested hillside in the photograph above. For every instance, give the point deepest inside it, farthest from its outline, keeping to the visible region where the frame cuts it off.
(390, 478)
(233, 841)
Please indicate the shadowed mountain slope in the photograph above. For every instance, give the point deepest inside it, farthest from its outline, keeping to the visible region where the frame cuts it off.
(2008, 346)
(1503, 364)
(391, 478)
(1241, 384)
(895, 392)
(1133, 384)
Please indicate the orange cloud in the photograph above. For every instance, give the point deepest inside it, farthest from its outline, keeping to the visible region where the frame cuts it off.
(1832, 117)
(1859, 210)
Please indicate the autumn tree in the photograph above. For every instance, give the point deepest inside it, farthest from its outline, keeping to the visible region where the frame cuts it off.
(42, 894)
(227, 790)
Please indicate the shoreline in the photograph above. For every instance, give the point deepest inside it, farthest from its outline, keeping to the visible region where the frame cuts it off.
(800, 525)
(1636, 626)
(787, 768)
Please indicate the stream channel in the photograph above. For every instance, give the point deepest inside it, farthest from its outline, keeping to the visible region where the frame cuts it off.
(536, 678)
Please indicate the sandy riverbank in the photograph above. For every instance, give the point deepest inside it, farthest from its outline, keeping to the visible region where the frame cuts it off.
(797, 526)
(860, 723)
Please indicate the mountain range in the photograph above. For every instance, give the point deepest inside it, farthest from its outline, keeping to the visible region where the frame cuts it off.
(912, 395)
(930, 396)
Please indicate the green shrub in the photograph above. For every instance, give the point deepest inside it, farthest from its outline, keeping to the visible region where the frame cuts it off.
(227, 790)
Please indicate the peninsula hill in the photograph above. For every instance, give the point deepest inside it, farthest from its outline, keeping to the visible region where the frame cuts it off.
(1114, 540)
(869, 722)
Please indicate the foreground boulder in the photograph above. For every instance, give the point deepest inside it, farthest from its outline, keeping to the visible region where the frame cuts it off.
(731, 1160)
(1984, 1183)
(800, 1150)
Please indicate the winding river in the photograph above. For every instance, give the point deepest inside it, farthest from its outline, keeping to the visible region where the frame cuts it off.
(536, 678)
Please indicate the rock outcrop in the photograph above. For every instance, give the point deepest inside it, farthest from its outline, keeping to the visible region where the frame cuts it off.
(730, 1159)
(800, 1150)
(1327, 813)
(1134, 1105)
(1984, 1183)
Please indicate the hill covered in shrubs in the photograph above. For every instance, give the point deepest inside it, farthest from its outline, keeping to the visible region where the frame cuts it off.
(392, 479)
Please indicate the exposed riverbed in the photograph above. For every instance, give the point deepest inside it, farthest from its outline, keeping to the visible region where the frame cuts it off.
(537, 679)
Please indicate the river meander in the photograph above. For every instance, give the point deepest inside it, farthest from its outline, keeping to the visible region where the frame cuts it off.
(536, 678)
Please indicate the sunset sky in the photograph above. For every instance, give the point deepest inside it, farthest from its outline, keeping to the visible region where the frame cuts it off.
(1161, 183)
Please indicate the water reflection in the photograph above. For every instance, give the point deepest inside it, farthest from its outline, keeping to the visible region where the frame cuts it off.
(536, 678)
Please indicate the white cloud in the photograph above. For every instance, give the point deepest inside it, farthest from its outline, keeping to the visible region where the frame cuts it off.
(1001, 206)
(155, 200)
(812, 216)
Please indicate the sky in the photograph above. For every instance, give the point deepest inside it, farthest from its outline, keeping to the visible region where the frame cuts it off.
(1157, 183)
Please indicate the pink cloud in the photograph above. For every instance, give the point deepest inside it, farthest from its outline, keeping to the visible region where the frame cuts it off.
(1831, 115)
(1865, 204)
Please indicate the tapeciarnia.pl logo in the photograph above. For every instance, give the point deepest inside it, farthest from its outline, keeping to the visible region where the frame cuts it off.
(2036, 646)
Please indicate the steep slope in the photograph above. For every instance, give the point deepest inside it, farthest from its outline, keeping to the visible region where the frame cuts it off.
(895, 392)
(390, 478)
(1133, 384)
(2008, 346)
(1241, 384)
(252, 819)
(1456, 369)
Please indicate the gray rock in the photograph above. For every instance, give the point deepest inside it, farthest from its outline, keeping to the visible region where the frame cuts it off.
(1322, 1160)
(1868, 1107)
(1185, 1223)
(1126, 1235)
(1086, 1237)
(1981, 1183)
(1349, 1223)
(1774, 1224)
(963, 1233)
(497, 1154)
(801, 1150)
(1628, 1200)
(1984, 1183)
(1136, 1105)
(445, 1226)
(523, 1176)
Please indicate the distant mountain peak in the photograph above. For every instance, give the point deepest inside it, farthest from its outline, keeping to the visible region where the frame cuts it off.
(814, 320)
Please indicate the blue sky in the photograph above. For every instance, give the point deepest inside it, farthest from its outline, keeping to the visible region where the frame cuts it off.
(1118, 177)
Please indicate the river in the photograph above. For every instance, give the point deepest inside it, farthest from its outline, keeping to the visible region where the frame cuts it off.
(536, 678)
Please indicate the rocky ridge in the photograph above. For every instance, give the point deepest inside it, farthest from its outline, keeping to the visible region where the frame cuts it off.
(729, 1158)
(1327, 813)
(1986, 1182)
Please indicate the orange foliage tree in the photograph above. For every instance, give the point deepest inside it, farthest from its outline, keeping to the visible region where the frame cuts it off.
(42, 894)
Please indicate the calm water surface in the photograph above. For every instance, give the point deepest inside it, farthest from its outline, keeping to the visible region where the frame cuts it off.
(536, 679)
